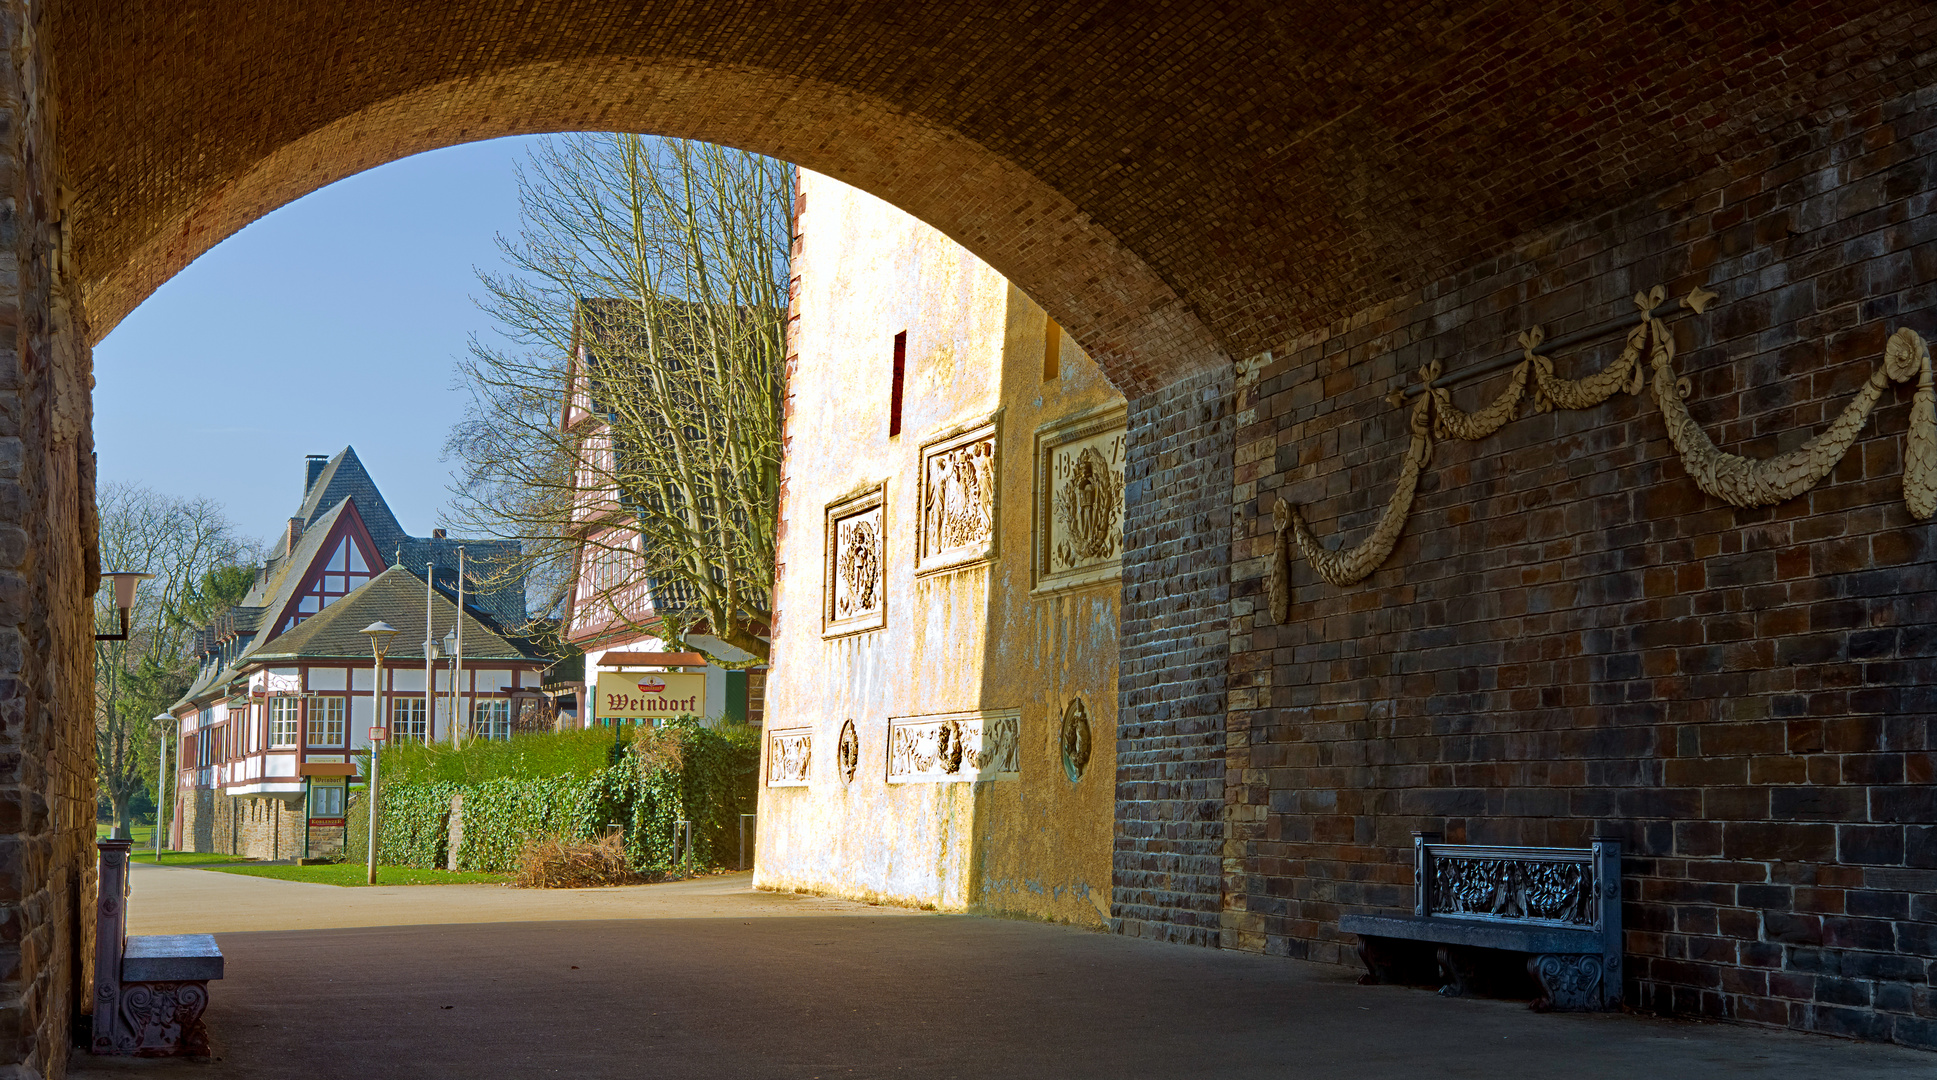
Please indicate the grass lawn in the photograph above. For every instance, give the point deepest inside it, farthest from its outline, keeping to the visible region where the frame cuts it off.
(354, 873)
(143, 835)
(186, 858)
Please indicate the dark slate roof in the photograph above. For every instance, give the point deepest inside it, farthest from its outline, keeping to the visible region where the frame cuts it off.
(342, 486)
(344, 477)
(395, 596)
(483, 560)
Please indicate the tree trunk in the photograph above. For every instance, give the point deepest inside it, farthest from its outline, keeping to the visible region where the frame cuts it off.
(123, 824)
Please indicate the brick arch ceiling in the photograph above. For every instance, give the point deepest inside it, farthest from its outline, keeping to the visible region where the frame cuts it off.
(1178, 183)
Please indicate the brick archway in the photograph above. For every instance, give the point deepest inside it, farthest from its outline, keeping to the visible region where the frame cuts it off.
(1121, 309)
(1181, 185)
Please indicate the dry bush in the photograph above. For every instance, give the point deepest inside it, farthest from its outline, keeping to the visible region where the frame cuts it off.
(656, 748)
(553, 862)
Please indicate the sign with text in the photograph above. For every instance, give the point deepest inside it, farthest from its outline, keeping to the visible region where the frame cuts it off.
(378, 734)
(651, 695)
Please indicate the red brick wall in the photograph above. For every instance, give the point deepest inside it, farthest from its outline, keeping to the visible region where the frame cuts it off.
(1571, 638)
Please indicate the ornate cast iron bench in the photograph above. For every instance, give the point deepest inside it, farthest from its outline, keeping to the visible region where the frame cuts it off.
(149, 992)
(1562, 906)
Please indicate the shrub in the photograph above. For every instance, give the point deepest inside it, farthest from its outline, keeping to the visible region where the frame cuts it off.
(553, 862)
(646, 779)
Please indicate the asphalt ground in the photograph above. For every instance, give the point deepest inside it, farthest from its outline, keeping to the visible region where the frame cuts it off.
(710, 979)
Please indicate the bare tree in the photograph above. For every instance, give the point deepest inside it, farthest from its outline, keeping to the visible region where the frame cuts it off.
(191, 548)
(648, 288)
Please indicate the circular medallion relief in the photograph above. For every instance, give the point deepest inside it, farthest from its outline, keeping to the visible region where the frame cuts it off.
(1075, 739)
(848, 753)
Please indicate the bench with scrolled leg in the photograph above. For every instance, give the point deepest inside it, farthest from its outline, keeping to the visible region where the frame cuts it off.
(149, 992)
(1474, 904)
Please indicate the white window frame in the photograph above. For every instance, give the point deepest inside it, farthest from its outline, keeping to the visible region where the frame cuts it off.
(491, 718)
(285, 714)
(326, 727)
(407, 719)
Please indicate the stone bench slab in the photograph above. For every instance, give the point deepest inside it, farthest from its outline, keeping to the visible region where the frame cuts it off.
(171, 958)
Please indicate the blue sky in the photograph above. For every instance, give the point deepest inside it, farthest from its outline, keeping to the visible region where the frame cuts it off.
(333, 321)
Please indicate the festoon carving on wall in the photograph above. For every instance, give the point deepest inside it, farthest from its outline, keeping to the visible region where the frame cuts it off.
(1737, 480)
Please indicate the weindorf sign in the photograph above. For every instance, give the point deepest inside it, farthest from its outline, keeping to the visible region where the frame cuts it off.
(654, 695)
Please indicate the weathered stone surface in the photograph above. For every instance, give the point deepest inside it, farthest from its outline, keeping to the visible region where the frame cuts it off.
(47, 577)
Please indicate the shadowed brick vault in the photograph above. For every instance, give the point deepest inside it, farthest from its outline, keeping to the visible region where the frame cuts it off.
(1569, 637)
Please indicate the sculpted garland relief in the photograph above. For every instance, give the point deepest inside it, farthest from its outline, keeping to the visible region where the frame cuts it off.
(1735, 479)
(954, 746)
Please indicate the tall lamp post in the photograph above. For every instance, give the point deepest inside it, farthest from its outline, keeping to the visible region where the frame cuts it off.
(162, 802)
(380, 634)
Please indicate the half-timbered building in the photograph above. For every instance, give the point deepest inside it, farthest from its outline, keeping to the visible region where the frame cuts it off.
(612, 606)
(271, 728)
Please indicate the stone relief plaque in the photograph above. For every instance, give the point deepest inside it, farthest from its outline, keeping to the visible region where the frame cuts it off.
(1075, 740)
(789, 754)
(944, 747)
(847, 756)
(957, 498)
(856, 578)
(1079, 500)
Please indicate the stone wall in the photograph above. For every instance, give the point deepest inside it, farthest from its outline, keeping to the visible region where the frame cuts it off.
(1172, 669)
(1571, 638)
(47, 578)
(256, 827)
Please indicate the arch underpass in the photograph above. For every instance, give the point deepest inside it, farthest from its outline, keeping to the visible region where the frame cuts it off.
(1182, 187)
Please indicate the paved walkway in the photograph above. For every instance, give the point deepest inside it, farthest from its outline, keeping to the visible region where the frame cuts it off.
(709, 979)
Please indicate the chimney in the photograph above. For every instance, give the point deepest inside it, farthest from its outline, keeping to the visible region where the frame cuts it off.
(295, 534)
(313, 466)
(437, 534)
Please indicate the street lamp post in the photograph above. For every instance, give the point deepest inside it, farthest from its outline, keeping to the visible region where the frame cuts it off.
(124, 599)
(162, 801)
(380, 634)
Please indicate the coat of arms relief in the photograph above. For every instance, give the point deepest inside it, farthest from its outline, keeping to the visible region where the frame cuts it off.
(856, 578)
(1079, 500)
(958, 499)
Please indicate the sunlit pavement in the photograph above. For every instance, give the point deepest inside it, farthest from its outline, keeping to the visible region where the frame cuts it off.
(710, 979)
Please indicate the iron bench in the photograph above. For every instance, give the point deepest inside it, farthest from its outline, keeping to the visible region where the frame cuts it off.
(149, 992)
(1474, 902)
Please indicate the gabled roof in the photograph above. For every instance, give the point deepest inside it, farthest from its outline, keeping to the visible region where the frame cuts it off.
(346, 478)
(395, 596)
(286, 571)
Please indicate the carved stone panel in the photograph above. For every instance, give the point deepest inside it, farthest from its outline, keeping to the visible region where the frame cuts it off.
(789, 756)
(857, 563)
(945, 747)
(1079, 500)
(957, 500)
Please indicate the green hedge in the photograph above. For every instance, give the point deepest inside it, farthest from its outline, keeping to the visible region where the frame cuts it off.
(652, 778)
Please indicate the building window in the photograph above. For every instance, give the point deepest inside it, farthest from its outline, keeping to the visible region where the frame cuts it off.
(326, 722)
(407, 720)
(326, 801)
(283, 713)
(896, 382)
(491, 719)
